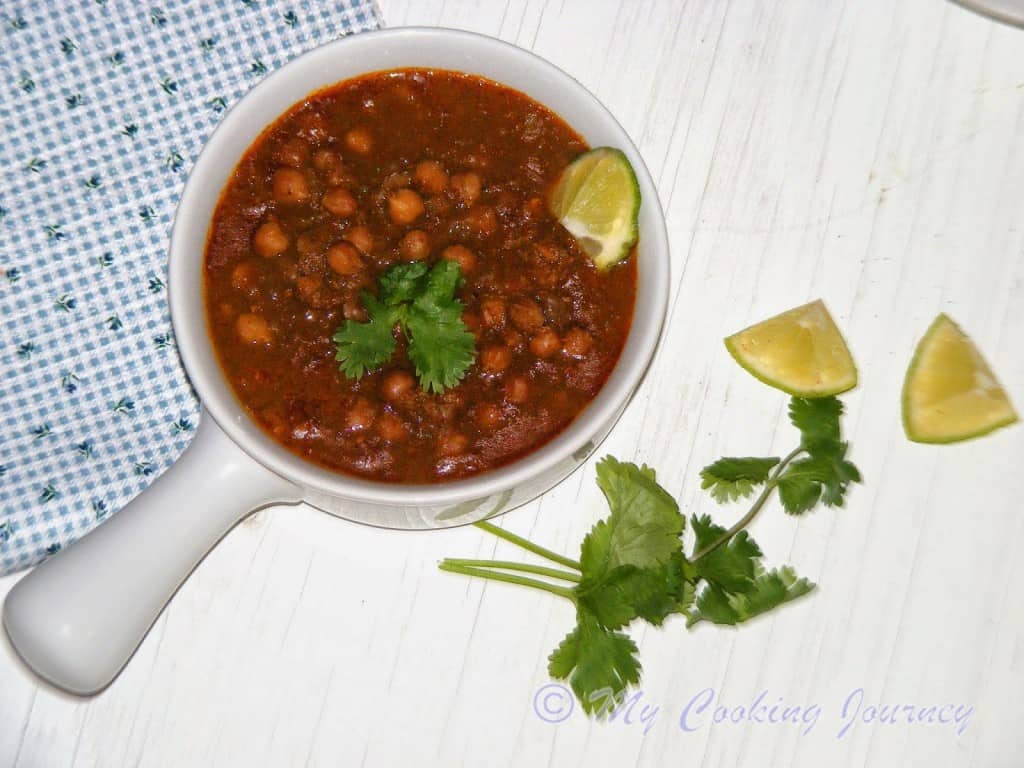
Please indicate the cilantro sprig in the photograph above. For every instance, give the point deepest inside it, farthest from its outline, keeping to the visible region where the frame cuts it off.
(633, 567)
(421, 302)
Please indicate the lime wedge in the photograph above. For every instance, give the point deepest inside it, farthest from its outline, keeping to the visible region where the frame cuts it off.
(597, 198)
(800, 352)
(950, 393)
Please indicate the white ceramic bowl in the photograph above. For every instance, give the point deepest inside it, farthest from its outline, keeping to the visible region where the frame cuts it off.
(79, 616)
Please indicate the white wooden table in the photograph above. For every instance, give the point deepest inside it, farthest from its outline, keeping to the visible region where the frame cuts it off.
(869, 152)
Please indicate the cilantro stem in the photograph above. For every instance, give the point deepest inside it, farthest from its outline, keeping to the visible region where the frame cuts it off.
(529, 546)
(509, 578)
(506, 565)
(759, 502)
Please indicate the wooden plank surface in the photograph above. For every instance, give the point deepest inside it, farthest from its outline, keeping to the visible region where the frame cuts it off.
(870, 153)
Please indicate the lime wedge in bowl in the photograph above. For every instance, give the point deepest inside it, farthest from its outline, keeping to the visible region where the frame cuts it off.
(597, 198)
(800, 352)
(950, 393)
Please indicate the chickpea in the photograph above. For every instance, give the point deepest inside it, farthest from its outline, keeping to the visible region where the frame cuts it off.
(546, 276)
(415, 245)
(353, 309)
(533, 208)
(244, 276)
(467, 187)
(290, 186)
(517, 390)
(514, 339)
(451, 444)
(361, 238)
(577, 342)
(313, 126)
(459, 253)
(391, 428)
(337, 176)
(325, 160)
(253, 329)
(438, 205)
(482, 220)
(361, 415)
(359, 140)
(331, 166)
(545, 343)
(344, 259)
(340, 202)
(396, 385)
(495, 358)
(526, 314)
(310, 243)
(556, 309)
(492, 312)
(270, 239)
(405, 206)
(430, 177)
(308, 287)
(506, 202)
(488, 416)
(294, 153)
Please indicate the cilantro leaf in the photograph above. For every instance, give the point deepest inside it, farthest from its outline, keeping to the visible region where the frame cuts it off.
(733, 565)
(768, 590)
(422, 303)
(645, 522)
(798, 492)
(825, 475)
(632, 562)
(595, 551)
(663, 592)
(402, 283)
(730, 479)
(771, 590)
(712, 604)
(837, 471)
(611, 598)
(817, 419)
(597, 662)
(363, 346)
(627, 592)
(441, 348)
(687, 595)
(440, 287)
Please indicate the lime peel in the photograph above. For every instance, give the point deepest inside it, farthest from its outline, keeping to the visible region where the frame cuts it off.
(800, 351)
(597, 198)
(950, 393)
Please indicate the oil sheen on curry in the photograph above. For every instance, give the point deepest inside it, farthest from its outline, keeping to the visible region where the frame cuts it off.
(397, 168)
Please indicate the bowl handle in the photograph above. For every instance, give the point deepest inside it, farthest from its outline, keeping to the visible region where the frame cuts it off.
(78, 617)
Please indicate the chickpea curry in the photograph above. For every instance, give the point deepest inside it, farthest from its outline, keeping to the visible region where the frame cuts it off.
(329, 212)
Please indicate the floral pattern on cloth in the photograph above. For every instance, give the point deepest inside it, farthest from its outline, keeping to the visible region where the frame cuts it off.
(103, 106)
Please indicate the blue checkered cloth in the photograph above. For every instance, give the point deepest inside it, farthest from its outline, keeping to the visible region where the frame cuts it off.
(103, 106)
